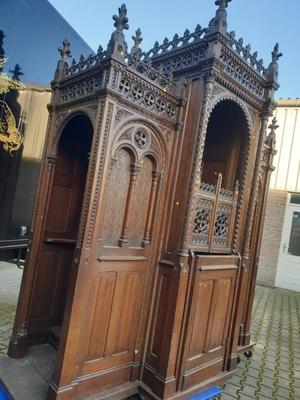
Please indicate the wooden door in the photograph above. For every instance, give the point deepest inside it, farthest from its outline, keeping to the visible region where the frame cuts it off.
(210, 312)
(117, 312)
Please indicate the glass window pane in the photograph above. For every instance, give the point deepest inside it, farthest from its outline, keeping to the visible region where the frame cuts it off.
(295, 198)
(294, 244)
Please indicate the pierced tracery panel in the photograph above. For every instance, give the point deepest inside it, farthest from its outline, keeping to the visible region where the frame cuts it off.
(202, 224)
(214, 221)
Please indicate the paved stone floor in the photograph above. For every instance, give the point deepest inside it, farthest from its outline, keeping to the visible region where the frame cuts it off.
(10, 279)
(272, 373)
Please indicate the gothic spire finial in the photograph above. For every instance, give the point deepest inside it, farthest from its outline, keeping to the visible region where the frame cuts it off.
(222, 3)
(137, 42)
(65, 51)
(121, 20)
(16, 72)
(271, 138)
(117, 45)
(219, 22)
(272, 72)
(275, 54)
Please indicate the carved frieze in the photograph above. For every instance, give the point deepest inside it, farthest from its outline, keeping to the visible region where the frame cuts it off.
(79, 89)
(147, 96)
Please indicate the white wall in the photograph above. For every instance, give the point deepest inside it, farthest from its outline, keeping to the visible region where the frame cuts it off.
(287, 160)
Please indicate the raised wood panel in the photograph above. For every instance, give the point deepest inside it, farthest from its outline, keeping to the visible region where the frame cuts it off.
(208, 321)
(140, 204)
(60, 200)
(204, 290)
(118, 187)
(54, 266)
(124, 313)
(101, 317)
(159, 316)
(115, 319)
(222, 289)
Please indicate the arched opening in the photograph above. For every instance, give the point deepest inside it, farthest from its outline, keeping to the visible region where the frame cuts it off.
(61, 228)
(226, 136)
(222, 170)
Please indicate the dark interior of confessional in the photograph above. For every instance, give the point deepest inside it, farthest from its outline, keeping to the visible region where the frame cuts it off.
(61, 229)
(224, 146)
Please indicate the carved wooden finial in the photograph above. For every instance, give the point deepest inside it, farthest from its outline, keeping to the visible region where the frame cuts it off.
(219, 22)
(65, 50)
(222, 3)
(137, 42)
(16, 72)
(272, 71)
(276, 54)
(271, 138)
(117, 46)
(121, 20)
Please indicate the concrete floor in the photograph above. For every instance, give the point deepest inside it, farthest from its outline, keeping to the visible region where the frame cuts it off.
(272, 373)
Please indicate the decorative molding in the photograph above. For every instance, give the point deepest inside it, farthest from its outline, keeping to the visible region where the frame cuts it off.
(197, 164)
(99, 172)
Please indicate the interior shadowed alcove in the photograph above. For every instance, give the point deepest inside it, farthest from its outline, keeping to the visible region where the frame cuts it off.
(61, 228)
(225, 142)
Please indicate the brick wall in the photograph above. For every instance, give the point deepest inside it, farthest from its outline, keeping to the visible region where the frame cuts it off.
(271, 238)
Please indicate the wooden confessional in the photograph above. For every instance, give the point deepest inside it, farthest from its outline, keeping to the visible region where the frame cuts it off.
(148, 218)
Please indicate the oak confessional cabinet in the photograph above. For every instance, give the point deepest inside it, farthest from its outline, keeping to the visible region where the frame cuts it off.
(147, 224)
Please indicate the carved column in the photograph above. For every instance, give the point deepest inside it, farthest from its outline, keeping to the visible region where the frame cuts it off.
(265, 170)
(197, 164)
(147, 235)
(135, 169)
(245, 256)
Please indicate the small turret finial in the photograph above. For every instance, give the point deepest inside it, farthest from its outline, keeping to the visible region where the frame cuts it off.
(275, 54)
(121, 20)
(136, 49)
(16, 72)
(65, 50)
(272, 72)
(271, 138)
(222, 3)
(219, 22)
(117, 45)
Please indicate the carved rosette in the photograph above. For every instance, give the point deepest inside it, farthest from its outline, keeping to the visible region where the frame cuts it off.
(196, 172)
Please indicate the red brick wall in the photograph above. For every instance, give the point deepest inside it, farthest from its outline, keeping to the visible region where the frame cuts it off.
(271, 238)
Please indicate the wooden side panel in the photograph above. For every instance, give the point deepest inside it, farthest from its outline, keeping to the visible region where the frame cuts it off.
(115, 319)
(160, 316)
(49, 299)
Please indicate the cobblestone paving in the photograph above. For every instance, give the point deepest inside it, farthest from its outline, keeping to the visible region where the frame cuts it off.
(10, 279)
(272, 373)
(274, 370)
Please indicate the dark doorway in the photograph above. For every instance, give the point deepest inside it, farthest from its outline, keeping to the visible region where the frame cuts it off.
(61, 228)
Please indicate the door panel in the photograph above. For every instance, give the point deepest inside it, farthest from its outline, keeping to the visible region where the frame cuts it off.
(208, 321)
